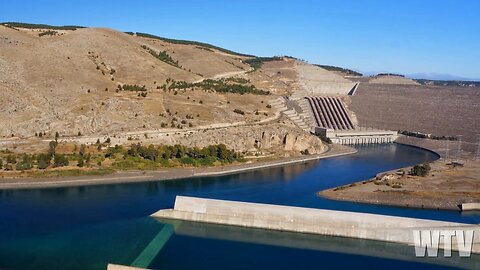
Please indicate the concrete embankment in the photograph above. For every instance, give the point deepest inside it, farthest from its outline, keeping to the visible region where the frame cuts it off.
(470, 206)
(122, 267)
(314, 221)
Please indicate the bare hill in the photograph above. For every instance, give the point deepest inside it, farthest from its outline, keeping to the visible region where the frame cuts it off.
(93, 83)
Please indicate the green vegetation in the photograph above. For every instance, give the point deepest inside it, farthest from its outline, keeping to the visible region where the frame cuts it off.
(60, 161)
(238, 86)
(162, 56)
(239, 111)
(305, 152)
(136, 157)
(40, 26)
(153, 157)
(48, 33)
(42, 160)
(25, 164)
(390, 74)
(257, 62)
(427, 136)
(325, 139)
(132, 87)
(195, 43)
(420, 170)
(72, 172)
(204, 48)
(340, 69)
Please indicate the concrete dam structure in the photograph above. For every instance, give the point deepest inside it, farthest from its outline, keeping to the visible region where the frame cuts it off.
(358, 135)
(312, 221)
(330, 113)
(333, 121)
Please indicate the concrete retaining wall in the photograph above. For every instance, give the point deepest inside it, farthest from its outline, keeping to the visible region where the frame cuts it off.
(471, 207)
(121, 267)
(307, 220)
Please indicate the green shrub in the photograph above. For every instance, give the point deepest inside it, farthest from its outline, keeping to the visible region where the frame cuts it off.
(48, 33)
(188, 42)
(239, 111)
(25, 164)
(220, 86)
(43, 161)
(344, 70)
(420, 170)
(80, 162)
(162, 56)
(257, 62)
(12, 159)
(132, 87)
(60, 161)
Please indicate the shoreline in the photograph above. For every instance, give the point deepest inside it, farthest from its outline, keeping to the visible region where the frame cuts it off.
(125, 177)
(445, 188)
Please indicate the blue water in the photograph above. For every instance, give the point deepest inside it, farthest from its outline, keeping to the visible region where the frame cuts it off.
(87, 227)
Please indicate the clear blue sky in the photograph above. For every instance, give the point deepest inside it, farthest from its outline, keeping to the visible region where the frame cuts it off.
(404, 36)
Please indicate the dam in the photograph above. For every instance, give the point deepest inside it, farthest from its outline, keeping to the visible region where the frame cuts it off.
(320, 108)
(311, 221)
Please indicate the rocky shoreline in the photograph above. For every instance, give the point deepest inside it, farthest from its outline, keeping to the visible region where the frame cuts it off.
(446, 186)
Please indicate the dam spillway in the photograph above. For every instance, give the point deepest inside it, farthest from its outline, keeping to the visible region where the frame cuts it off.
(332, 120)
(309, 220)
(330, 112)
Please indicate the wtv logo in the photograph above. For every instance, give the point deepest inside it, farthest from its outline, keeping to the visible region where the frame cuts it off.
(428, 241)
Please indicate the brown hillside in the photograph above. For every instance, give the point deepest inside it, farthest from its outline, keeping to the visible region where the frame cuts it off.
(59, 83)
(71, 82)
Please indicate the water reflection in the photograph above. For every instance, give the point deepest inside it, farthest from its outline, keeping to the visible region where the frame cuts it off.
(318, 243)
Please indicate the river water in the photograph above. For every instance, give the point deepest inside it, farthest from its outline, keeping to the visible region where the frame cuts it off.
(88, 227)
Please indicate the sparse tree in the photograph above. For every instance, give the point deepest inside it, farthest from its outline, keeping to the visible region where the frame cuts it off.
(52, 146)
(43, 161)
(80, 162)
(82, 151)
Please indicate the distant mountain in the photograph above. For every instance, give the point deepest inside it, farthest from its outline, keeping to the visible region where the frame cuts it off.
(426, 76)
(439, 77)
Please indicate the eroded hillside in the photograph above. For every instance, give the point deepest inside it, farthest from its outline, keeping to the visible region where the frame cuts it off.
(91, 83)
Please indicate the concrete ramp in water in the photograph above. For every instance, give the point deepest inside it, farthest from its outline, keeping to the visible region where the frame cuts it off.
(313, 221)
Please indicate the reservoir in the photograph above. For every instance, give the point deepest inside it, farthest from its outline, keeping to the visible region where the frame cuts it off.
(88, 227)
